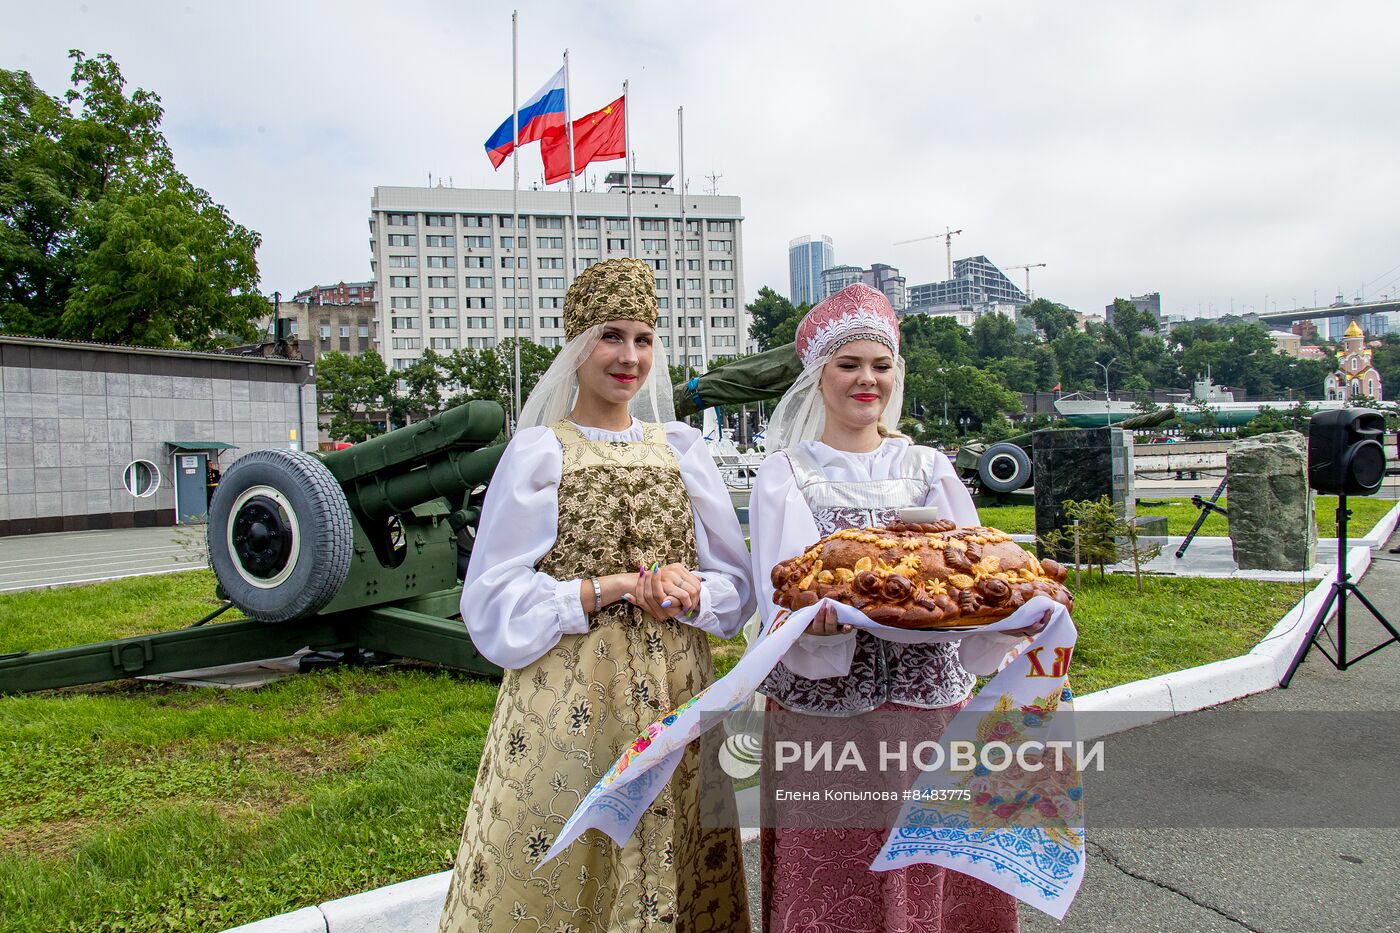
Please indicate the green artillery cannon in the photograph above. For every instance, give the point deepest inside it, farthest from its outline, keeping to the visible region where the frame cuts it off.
(357, 550)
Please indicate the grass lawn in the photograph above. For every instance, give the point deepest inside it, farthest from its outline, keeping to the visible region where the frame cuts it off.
(1181, 515)
(132, 807)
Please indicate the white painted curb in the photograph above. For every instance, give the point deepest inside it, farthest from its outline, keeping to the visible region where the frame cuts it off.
(414, 906)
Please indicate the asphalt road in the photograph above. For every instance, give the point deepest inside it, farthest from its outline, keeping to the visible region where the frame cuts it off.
(30, 562)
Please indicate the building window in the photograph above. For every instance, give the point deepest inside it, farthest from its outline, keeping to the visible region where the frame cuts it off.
(549, 262)
(551, 322)
(692, 322)
(509, 281)
(721, 322)
(439, 220)
(616, 244)
(551, 341)
(403, 281)
(520, 241)
(692, 265)
(662, 322)
(476, 220)
(723, 340)
(403, 301)
(721, 246)
(477, 281)
(507, 221)
(403, 323)
(657, 265)
(653, 244)
(588, 242)
(654, 224)
(441, 281)
(401, 220)
(691, 284)
(476, 242)
(549, 223)
(508, 262)
(442, 262)
(344, 330)
(403, 262)
(665, 341)
(551, 303)
(721, 265)
(325, 332)
(402, 364)
(663, 303)
(442, 323)
(481, 343)
(363, 330)
(408, 343)
(588, 223)
(585, 263)
(718, 226)
(693, 303)
(403, 239)
(721, 302)
(525, 322)
(487, 302)
(442, 343)
(443, 303)
(477, 262)
(662, 284)
(480, 323)
(617, 223)
(551, 281)
(440, 240)
(549, 242)
(721, 285)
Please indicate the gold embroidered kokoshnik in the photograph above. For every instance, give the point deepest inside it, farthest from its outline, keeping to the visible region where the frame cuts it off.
(563, 720)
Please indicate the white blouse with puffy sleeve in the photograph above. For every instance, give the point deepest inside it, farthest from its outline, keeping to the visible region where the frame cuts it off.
(515, 613)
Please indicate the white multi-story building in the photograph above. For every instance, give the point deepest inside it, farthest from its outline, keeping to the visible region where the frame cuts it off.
(451, 271)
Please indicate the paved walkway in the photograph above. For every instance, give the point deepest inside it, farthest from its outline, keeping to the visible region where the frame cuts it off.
(31, 562)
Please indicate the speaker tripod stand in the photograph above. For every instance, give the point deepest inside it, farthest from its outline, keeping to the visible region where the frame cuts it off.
(1342, 587)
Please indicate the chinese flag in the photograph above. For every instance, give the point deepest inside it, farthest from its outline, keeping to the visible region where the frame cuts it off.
(598, 137)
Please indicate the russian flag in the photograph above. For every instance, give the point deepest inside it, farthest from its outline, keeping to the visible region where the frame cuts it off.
(542, 115)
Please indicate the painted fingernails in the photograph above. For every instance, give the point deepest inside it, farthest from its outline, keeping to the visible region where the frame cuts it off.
(665, 604)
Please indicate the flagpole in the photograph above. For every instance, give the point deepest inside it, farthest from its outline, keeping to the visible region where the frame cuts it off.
(685, 232)
(515, 201)
(573, 201)
(627, 143)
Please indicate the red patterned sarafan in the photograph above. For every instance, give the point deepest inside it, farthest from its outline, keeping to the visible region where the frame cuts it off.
(856, 312)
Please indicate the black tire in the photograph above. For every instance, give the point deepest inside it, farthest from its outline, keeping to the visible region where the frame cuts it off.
(280, 535)
(1004, 467)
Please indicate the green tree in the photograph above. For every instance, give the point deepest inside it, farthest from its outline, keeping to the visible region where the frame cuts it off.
(1051, 319)
(418, 391)
(994, 336)
(769, 314)
(941, 334)
(100, 236)
(488, 373)
(350, 389)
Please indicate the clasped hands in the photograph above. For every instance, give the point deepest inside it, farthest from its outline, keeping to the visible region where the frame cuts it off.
(662, 592)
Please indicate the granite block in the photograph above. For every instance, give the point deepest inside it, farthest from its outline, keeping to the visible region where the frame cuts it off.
(43, 380)
(72, 430)
(19, 430)
(48, 455)
(146, 431)
(1272, 517)
(21, 506)
(162, 386)
(74, 501)
(1078, 465)
(47, 477)
(239, 390)
(94, 383)
(69, 383)
(18, 405)
(119, 431)
(19, 456)
(118, 406)
(202, 389)
(69, 406)
(118, 384)
(46, 430)
(222, 410)
(19, 482)
(97, 500)
(101, 477)
(95, 407)
(95, 432)
(14, 379)
(220, 389)
(48, 503)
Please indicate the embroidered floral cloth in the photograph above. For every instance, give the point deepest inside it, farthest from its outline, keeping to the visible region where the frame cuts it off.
(1023, 833)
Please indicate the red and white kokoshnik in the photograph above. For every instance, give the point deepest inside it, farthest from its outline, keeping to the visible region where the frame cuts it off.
(856, 312)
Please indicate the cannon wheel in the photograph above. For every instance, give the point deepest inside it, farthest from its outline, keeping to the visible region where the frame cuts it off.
(280, 535)
(1004, 467)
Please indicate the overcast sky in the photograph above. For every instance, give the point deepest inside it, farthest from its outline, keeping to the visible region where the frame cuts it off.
(1210, 151)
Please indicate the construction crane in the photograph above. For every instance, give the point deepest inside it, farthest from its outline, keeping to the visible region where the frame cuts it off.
(947, 237)
(1034, 265)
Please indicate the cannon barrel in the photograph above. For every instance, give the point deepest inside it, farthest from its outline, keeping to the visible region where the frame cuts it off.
(441, 457)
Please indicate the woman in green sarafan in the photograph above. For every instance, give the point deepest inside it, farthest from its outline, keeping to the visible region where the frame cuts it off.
(607, 553)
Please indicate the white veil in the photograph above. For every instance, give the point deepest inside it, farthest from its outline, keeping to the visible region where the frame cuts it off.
(800, 414)
(554, 395)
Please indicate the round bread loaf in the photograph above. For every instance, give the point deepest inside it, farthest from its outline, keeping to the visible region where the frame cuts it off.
(920, 575)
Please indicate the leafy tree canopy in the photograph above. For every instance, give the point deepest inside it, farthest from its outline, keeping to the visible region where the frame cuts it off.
(101, 237)
(773, 319)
